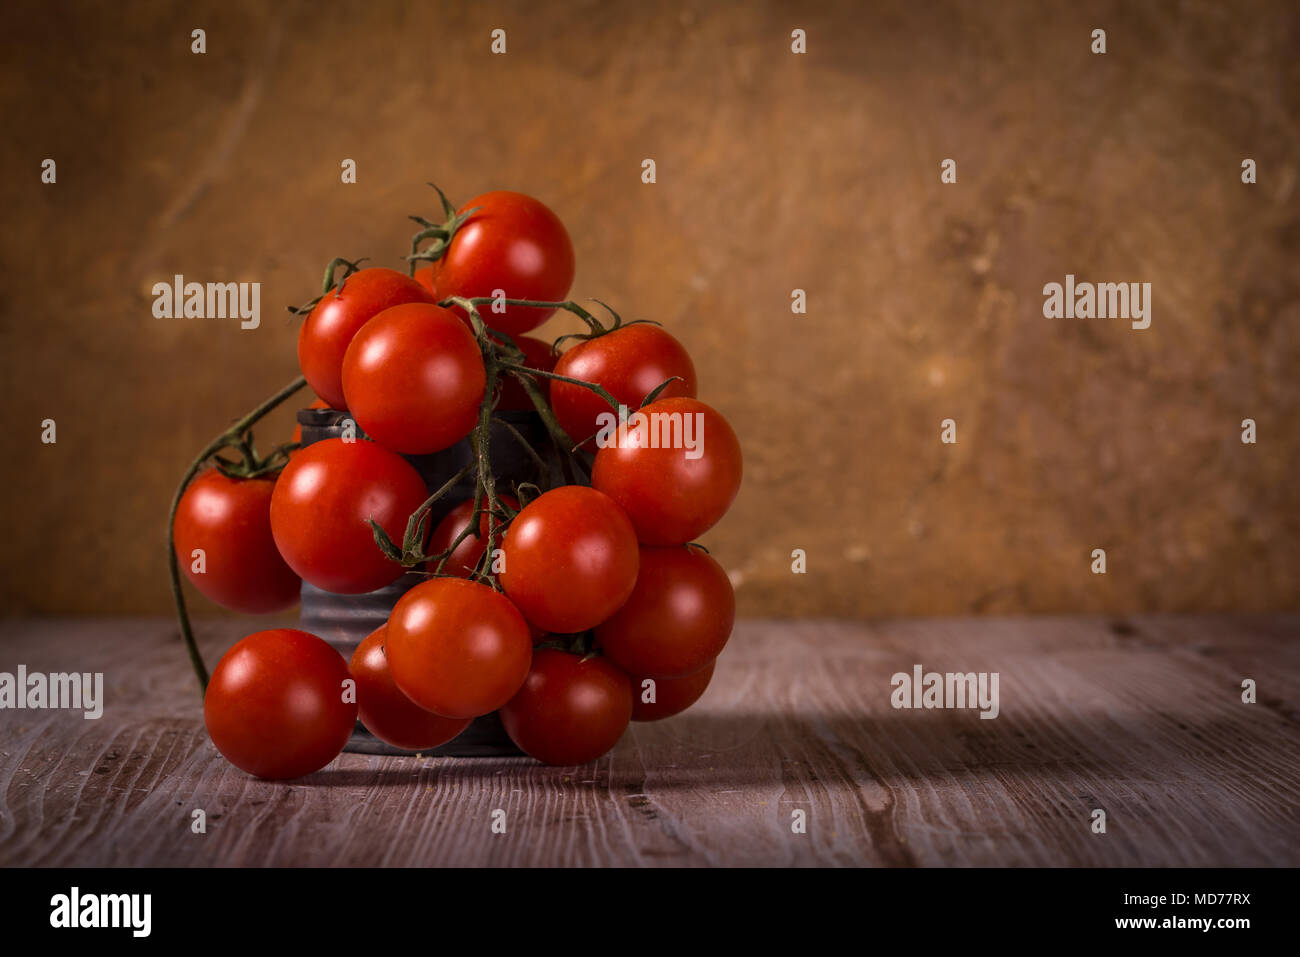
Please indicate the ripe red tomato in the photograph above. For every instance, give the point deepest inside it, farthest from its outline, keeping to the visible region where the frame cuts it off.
(413, 378)
(630, 363)
(537, 355)
(457, 648)
(671, 497)
(515, 244)
(427, 276)
(672, 695)
(678, 618)
(466, 557)
(322, 506)
(297, 429)
(275, 706)
(230, 520)
(570, 559)
(571, 710)
(388, 714)
(324, 336)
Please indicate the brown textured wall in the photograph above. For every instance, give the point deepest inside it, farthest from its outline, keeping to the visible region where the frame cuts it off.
(775, 171)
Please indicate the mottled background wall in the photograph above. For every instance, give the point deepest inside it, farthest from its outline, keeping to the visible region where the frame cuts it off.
(775, 171)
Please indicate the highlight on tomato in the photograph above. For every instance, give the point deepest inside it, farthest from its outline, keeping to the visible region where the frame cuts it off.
(278, 705)
(385, 711)
(457, 648)
(322, 507)
(324, 336)
(225, 546)
(570, 559)
(677, 476)
(571, 709)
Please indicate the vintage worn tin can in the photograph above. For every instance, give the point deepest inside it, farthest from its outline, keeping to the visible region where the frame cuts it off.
(345, 620)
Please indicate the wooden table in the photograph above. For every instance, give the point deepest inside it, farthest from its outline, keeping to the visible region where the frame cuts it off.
(1141, 718)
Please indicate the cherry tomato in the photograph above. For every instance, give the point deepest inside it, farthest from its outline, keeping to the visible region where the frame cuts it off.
(413, 379)
(571, 710)
(672, 695)
(630, 363)
(230, 520)
(678, 618)
(466, 557)
(322, 506)
(276, 707)
(514, 244)
(427, 276)
(297, 429)
(537, 355)
(324, 336)
(570, 559)
(671, 497)
(457, 648)
(388, 714)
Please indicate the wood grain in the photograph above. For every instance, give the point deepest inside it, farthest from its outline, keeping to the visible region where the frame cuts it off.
(1142, 718)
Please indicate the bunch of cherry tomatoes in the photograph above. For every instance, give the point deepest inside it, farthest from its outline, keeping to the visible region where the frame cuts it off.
(570, 609)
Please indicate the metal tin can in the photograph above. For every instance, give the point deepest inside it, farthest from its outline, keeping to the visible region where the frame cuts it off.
(345, 620)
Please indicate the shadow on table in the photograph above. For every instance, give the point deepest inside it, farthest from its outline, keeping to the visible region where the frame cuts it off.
(746, 749)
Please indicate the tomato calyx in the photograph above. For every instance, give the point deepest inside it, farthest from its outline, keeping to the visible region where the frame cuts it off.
(596, 327)
(250, 464)
(582, 644)
(231, 437)
(330, 283)
(441, 233)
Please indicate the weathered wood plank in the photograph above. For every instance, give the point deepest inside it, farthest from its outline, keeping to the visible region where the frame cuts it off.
(1142, 718)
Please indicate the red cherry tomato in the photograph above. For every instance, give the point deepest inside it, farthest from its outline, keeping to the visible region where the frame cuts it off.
(427, 276)
(671, 497)
(678, 618)
(230, 520)
(515, 244)
(388, 714)
(324, 336)
(297, 429)
(413, 379)
(457, 648)
(571, 710)
(570, 559)
(630, 363)
(671, 695)
(464, 560)
(322, 506)
(275, 706)
(537, 355)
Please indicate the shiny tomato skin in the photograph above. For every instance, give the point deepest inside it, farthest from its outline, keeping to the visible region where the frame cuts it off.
(570, 559)
(413, 379)
(457, 648)
(671, 498)
(388, 714)
(672, 695)
(230, 520)
(325, 334)
(322, 506)
(570, 710)
(678, 617)
(537, 355)
(275, 705)
(629, 363)
(513, 243)
(466, 557)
